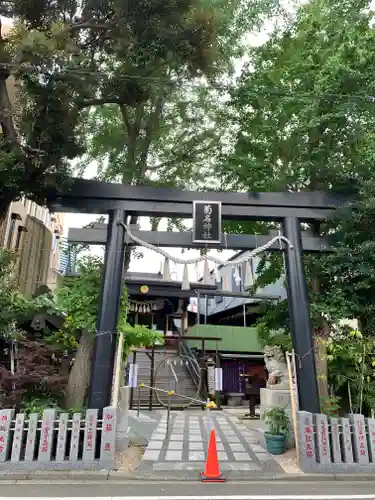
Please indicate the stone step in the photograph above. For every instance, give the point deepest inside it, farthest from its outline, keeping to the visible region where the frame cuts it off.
(163, 380)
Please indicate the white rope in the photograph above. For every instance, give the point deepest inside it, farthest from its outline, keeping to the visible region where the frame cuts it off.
(202, 258)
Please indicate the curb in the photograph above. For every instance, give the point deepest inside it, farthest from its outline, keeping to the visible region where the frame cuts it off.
(118, 476)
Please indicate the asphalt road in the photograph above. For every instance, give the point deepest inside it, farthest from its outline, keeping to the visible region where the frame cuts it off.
(273, 490)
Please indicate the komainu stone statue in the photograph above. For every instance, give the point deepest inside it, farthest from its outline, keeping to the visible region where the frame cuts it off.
(274, 360)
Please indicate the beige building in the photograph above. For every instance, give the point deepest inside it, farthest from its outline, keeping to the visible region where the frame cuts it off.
(34, 232)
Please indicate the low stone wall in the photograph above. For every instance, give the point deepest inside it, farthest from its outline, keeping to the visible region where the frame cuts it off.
(31, 443)
(336, 444)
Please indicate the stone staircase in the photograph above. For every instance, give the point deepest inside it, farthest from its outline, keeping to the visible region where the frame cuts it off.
(165, 376)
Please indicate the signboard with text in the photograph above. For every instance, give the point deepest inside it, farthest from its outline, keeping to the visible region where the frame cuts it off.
(206, 222)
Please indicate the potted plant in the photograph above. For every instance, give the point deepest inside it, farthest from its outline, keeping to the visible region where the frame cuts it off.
(277, 421)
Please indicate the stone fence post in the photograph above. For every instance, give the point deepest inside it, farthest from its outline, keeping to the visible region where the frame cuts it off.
(122, 437)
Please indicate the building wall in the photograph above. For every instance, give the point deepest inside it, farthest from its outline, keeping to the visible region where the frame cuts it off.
(233, 338)
(68, 257)
(35, 233)
(34, 261)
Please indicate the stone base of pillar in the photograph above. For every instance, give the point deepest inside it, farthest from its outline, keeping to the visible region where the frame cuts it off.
(122, 435)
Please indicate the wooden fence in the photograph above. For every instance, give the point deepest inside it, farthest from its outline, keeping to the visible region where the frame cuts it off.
(57, 441)
(336, 444)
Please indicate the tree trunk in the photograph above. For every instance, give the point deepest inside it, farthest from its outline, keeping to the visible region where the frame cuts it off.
(321, 368)
(320, 333)
(80, 373)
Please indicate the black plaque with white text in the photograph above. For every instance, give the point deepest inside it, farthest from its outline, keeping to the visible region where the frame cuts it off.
(206, 222)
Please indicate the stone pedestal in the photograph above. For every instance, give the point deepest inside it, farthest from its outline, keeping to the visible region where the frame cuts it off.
(235, 399)
(278, 398)
(122, 437)
(272, 398)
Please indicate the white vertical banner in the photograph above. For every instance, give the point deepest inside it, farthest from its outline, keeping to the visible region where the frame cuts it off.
(211, 379)
(133, 375)
(218, 379)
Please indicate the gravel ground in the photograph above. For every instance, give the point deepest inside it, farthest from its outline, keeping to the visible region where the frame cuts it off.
(288, 461)
(129, 460)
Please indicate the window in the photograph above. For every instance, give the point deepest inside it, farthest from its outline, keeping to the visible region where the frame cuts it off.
(13, 218)
(20, 230)
(11, 232)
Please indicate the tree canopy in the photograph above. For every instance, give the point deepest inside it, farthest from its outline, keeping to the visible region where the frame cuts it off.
(304, 107)
(68, 57)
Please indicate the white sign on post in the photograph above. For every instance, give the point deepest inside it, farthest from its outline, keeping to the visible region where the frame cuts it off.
(133, 375)
(218, 379)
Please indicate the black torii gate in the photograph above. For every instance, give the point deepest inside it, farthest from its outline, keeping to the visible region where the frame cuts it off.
(120, 201)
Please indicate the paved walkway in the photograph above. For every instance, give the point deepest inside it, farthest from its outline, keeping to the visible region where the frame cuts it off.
(183, 448)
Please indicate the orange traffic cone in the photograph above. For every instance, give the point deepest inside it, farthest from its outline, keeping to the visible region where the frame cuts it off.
(212, 472)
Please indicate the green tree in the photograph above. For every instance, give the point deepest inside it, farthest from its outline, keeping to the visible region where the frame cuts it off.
(304, 117)
(37, 121)
(168, 133)
(348, 272)
(37, 367)
(351, 370)
(13, 305)
(303, 109)
(78, 300)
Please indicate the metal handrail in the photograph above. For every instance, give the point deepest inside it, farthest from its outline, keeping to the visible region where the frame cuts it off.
(173, 372)
(191, 367)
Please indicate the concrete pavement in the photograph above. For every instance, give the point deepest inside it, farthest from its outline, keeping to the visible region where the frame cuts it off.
(276, 490)
(180, 448)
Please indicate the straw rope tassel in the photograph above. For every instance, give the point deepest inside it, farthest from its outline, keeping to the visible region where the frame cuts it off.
(166, 270)
(237, 276)
(227, 280)
(185, 279)
(217, 275)
(249, 280)
(206, 273)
